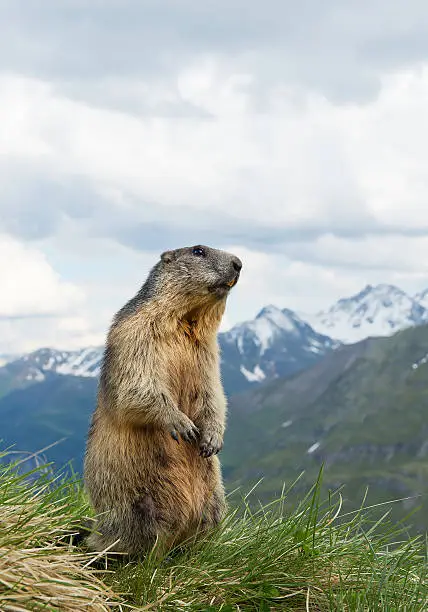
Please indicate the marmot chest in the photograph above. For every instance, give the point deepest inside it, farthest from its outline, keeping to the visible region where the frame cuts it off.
(188, 373)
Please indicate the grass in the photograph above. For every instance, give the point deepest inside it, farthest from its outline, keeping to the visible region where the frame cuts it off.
(315, 558)
(38, 569)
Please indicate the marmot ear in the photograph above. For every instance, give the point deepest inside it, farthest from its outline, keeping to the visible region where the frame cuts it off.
(168, 256)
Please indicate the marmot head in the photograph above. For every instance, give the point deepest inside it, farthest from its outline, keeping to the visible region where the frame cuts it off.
(201, 270)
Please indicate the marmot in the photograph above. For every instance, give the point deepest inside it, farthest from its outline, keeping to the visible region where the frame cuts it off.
(151, 469)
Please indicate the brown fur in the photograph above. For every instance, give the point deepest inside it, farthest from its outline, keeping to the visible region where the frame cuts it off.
(161, 377)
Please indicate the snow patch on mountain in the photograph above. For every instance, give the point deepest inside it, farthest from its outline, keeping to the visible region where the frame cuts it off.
(35, 375)
(84, 362)
(420, 362)
(257, 375)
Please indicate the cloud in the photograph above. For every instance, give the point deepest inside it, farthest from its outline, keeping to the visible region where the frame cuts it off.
(37, 306)
(289, 175)
(338, 49)
(24, 335)
(30, 287)
(297, 133)
(385, 254)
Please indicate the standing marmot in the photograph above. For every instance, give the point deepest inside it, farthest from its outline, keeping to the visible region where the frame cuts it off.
(150, 465)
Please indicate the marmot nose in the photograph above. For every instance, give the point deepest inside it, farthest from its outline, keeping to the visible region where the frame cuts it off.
(237, 264)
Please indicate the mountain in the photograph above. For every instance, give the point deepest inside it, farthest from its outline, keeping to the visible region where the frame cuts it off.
(35, 367)
(4, 359)
(276, 343)
(48, 395)
(422, 298)
(361, 411)
(55, 411)
(378, 310)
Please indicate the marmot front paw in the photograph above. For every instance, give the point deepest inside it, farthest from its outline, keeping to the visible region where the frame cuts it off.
(185, 427)
(211, 443)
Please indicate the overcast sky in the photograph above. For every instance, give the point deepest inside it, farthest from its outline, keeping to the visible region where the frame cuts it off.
(293, 134)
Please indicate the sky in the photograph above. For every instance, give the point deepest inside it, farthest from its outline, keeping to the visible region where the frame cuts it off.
(292, 134)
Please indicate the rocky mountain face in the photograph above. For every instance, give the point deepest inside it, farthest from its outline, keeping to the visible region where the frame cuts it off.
(36, 367)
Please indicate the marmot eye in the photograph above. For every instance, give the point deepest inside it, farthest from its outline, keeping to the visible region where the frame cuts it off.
(198, 251)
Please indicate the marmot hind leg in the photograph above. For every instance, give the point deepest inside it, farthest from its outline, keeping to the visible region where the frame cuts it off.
(215, 509)
(213, 513)
(133, 530)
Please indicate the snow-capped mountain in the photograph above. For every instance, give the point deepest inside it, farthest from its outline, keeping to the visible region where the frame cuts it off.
(276, 343)
(379, 310)
(35, 366)
(422, 298)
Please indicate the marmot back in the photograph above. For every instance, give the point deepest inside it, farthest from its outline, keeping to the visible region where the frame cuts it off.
(151, 469)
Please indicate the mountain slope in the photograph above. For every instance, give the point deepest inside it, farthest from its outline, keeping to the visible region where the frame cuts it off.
(4, 359)
(56, 410)
(379, 310)
(362, 411)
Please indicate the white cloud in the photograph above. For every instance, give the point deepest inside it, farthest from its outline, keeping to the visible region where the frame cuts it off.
(337, 190)
(30, 286)
(25, 335)
(317, 165)
(37, 306)
(340, 49)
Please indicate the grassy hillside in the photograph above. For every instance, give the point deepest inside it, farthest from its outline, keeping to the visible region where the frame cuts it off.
(362, 411)
(312, 559)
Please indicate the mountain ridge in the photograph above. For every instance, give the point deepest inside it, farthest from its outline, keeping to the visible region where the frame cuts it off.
(277, 342)
(376, 310)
